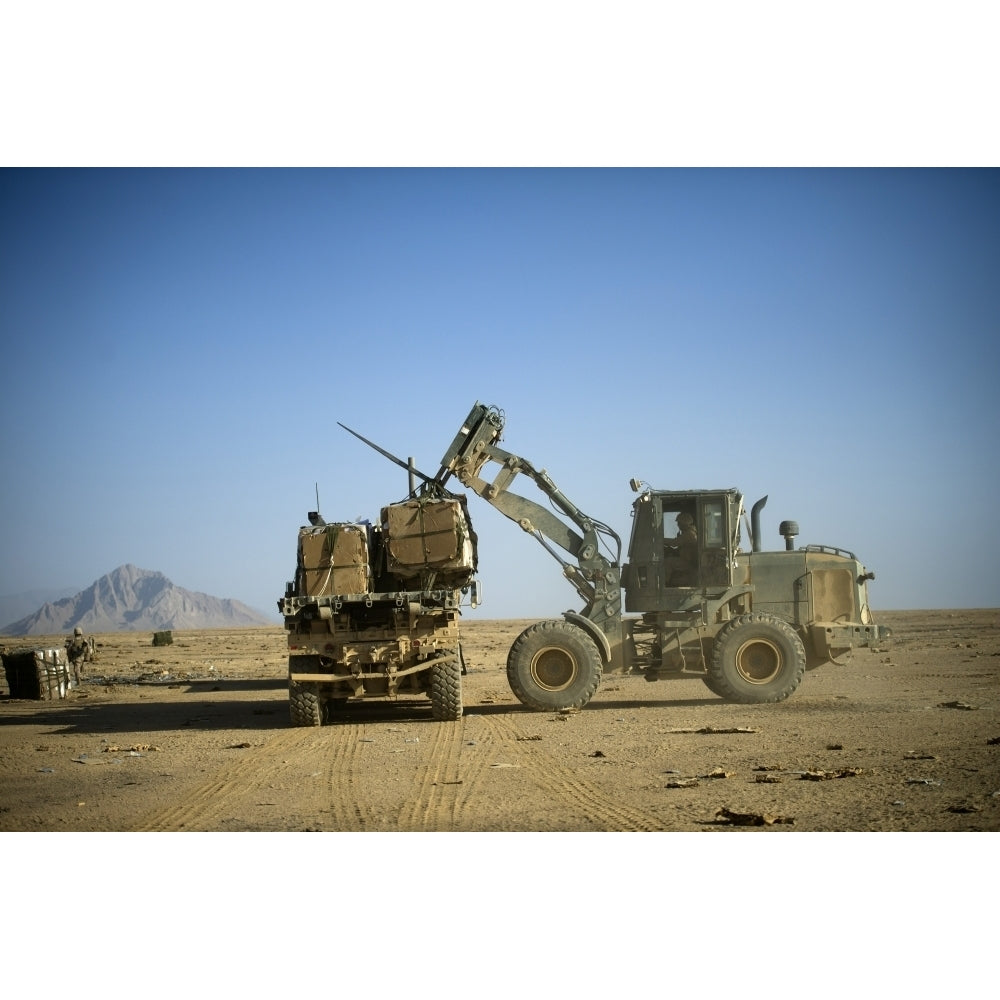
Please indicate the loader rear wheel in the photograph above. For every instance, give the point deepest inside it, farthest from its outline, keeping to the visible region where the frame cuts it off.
(756, 658)
(554, 665)
(304, 704)
(446, 688)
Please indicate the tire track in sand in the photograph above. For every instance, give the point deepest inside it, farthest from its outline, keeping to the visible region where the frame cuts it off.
(565, 786)
(344, 796)
(235, 787)
(446, 784)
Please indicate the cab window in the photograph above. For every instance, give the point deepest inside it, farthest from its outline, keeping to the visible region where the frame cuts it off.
(712, 525)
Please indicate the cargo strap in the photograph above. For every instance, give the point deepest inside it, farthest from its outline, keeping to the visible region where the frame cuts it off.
(332, 530)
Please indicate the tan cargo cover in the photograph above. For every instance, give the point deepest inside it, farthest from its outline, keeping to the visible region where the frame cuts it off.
(424, 535)
(37, 673)
(333, 559)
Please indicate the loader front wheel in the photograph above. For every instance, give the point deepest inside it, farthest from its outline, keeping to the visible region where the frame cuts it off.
(756, 658)
(446, 688)
(712, 686)
(554, 665)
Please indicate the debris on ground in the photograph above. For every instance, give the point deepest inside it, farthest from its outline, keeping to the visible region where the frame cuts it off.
(527, 739)
(682, 783)
(712, 731)
(922, 781)
(717, 772)
(961, 705)
(819, 775)
(135, 748)
(725, 815)
(913, 755)
(767, 779)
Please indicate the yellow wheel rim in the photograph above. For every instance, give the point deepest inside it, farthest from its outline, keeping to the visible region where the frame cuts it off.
(758, 661)
(553, 668)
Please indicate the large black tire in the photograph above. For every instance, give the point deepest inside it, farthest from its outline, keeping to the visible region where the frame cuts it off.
(756, 658)
(304, 704)
(446, 689)
(554, 665)
(712, 686)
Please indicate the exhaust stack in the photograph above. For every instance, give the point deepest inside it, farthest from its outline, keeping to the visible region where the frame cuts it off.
(755, 523)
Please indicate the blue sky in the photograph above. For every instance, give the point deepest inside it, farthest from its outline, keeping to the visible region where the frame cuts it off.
(179, 346)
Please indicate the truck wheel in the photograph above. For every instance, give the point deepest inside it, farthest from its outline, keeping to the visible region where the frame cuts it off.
(553, 665)
(446, 689)
(304, 705)
(756, 658)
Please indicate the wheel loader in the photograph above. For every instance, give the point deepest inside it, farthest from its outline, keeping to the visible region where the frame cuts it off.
(749, 623)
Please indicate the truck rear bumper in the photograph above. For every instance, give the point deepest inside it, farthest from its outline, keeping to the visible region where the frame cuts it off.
(364, 672)
(369, 673)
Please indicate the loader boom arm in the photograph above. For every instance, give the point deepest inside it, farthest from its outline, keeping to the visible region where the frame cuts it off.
(596, 578)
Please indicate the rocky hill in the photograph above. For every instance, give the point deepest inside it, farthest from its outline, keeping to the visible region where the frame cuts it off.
(13, 607)
(130, 599)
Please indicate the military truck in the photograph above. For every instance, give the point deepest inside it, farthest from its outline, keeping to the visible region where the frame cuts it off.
(373, 610)
(748, 622)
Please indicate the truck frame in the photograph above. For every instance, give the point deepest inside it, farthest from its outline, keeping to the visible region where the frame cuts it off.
(369, 620)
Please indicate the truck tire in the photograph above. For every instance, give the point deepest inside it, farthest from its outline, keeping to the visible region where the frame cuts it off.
(756, 658)
(446, 689)
(554, 665)
(304, 705)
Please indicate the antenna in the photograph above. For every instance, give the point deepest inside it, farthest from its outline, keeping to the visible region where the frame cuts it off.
(315, 519)
(435, 483)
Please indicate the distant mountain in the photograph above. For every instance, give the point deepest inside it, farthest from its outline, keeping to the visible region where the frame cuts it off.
(129, 599)
(16, 606)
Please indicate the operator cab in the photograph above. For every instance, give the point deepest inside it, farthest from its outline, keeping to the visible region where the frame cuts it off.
(682, 541)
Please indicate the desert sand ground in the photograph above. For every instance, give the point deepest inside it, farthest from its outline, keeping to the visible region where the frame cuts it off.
(191, 739)
(196, 737)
